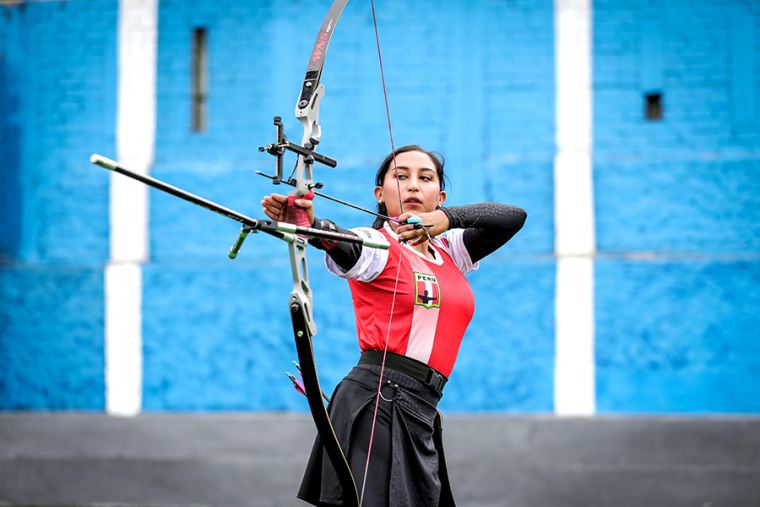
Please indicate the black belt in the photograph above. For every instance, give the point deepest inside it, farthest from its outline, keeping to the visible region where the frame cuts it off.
(407, 365)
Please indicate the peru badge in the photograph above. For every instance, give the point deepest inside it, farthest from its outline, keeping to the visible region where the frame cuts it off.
(427, 291)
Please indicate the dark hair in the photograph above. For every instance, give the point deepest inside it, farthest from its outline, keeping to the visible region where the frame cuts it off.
(437, 159)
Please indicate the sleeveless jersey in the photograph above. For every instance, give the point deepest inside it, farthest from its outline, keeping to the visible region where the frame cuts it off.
(434, 302)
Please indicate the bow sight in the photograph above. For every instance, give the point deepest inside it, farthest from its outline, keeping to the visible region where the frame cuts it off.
(278, 148)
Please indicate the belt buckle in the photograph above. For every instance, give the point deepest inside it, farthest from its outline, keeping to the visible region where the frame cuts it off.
(436, 381)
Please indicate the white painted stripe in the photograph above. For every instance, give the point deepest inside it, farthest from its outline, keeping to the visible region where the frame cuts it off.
(135, 136)
(135, 127)
(123, 339)
(575, 242)
(574, 372)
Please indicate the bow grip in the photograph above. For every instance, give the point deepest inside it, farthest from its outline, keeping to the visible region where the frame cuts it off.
(297, 215)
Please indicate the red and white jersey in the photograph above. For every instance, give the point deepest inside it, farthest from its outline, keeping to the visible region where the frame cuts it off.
(433, 304)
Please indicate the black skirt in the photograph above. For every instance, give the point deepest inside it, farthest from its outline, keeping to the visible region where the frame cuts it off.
(407, 465)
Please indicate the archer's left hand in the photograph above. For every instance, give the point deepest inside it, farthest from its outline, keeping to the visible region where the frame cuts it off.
(276, 207)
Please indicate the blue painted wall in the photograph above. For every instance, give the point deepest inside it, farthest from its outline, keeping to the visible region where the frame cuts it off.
(676, 200)
(57, 101)
(480, 93)
(677, 206)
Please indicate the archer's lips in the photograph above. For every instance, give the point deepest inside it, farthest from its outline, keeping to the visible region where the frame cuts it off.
(412, 201)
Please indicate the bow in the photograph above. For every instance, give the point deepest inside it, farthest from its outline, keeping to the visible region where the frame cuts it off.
(304, 327)
(300, 299)
(307, 112)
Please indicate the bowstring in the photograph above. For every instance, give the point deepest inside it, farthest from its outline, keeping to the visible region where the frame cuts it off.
(398, 265)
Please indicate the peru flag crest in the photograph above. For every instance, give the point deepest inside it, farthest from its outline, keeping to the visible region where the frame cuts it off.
(428, 292)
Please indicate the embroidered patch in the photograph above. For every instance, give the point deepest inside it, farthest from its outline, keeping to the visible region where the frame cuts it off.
(427, 291)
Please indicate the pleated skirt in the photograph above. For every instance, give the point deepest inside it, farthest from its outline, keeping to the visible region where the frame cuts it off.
(406, 466)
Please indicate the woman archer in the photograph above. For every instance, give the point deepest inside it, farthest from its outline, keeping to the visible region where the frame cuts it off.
(412, 305)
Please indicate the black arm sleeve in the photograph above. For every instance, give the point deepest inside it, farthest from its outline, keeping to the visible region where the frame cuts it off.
(487, 226)
(345, 255)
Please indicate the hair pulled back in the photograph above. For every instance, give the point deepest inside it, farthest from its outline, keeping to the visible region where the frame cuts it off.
(385, 165)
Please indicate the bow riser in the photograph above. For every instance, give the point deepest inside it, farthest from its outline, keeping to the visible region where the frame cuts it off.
(301, 294)
(312, 133)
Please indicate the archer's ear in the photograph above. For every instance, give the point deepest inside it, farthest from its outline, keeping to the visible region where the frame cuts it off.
(441, 198)
(378, 194)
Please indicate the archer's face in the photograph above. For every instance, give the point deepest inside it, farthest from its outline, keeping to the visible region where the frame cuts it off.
(418, 183)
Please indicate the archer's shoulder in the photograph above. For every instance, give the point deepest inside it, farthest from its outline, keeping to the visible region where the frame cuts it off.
(452, 241)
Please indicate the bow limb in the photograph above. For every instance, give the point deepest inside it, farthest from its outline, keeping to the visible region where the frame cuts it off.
(300, 313)
(312, 91)
(326, 432)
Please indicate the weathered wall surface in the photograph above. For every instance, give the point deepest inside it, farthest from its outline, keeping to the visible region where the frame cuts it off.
(676, 200)
(677, 206)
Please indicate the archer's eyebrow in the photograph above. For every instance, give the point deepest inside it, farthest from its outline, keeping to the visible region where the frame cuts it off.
(405, 168)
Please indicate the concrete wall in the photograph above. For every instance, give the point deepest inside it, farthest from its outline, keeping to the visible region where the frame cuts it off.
(676, 210)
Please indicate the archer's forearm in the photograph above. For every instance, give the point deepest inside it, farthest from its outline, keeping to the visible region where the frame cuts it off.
(345, 255)
(488, 225)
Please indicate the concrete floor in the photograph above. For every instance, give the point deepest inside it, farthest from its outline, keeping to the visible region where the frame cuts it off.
(255, 460)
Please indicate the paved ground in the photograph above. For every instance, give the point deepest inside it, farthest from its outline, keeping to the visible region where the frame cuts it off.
(255, 460)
